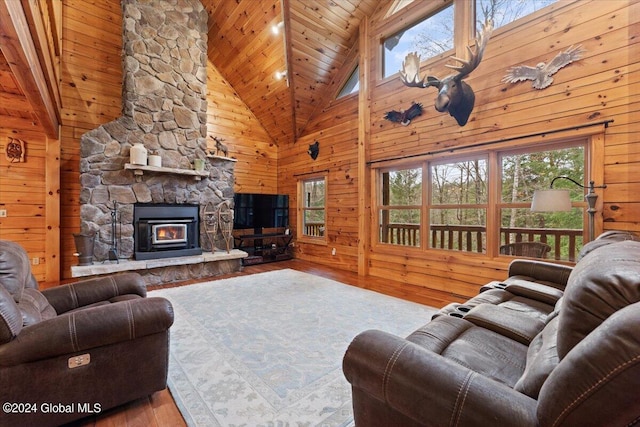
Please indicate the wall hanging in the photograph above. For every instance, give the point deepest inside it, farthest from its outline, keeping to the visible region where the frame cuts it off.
(15, 150)
(541, 73)
(454, 95)
(314, 150)
(404, 117)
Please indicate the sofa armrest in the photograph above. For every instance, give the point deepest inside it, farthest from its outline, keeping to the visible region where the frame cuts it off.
(509, 323)
(547, 273)
(84, 292)
(84, 330)
(429, 388)
(535, 291)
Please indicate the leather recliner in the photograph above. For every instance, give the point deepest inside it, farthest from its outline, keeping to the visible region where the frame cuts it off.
(78, 349)
(507, 359)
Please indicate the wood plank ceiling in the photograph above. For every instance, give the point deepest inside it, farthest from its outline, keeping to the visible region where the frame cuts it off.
(319, 34)
(313, 45)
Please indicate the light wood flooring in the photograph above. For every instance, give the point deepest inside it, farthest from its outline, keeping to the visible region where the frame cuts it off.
(159, 409)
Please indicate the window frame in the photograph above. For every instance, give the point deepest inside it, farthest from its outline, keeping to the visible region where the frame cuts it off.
(431, 206)
(355, 74)
(381, 208)
(494, 204)
(396, 29)
(407, 18)
(301, 209)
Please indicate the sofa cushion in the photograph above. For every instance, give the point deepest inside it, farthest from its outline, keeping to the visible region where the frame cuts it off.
(542, 357)
(598, 382)
(481, 350)
(605, 239)
(35, 307)
(10, 317)
(601, 284)
(15, 270)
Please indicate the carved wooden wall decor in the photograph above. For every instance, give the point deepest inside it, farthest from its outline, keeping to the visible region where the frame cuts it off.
(540, 75)
(15, 150)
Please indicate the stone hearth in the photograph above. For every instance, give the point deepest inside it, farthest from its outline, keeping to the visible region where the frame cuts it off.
(164, 107)
(165, 270)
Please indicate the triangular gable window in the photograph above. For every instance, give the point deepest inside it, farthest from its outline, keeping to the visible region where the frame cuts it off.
(397, 6)
(352, 85)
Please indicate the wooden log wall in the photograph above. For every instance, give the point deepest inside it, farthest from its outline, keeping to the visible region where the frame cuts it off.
(22, 196)
(29, 189)
(337, 135)
(91, 92)
(229, 118)
(603, 85)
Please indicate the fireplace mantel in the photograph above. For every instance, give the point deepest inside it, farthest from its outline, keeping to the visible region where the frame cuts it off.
(138, 171)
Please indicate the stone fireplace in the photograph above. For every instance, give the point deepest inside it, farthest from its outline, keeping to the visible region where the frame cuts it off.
(164, 107)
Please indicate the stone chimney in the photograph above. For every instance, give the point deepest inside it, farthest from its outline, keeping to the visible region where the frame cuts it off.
(164, 107)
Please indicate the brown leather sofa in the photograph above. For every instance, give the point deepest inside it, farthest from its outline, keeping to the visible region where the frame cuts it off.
(549, 346)
(77, 349)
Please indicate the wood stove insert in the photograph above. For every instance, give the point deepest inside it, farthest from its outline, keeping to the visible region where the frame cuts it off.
(164, 230)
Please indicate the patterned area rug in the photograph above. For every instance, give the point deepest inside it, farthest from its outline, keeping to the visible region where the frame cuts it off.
(266, 349)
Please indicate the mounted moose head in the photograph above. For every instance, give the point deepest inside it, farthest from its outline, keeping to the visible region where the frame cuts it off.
(454, 95)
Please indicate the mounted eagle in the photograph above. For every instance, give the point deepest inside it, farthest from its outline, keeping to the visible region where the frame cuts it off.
(404, 117)
(541, 73)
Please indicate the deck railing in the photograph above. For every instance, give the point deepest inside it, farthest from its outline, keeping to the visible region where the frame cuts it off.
(565, 243)
(315, 229)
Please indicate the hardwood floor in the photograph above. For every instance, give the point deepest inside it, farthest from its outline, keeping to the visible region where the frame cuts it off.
(160, 410)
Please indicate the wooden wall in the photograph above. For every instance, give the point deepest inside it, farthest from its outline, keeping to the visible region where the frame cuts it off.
(22, 195)
(337, 134)
(604, 85)
(91, 96)
(229, 118)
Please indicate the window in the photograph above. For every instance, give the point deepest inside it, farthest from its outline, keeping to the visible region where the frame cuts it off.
(459, 200)
(398, 6)
(429, 37)
(401, 207)
(523, 173)
(448, 204)
(312, 207)
(503, 12)
(352, 85)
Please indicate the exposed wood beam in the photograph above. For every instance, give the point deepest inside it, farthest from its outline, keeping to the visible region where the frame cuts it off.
(16, 44)
(34, 11)
(364, 137)
(288, 54)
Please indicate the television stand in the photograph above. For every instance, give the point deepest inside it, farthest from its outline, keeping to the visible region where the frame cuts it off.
(264, 247)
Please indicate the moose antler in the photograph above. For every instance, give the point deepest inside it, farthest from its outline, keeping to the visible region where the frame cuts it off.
(454, 95)
(482, 38)
(410, 73)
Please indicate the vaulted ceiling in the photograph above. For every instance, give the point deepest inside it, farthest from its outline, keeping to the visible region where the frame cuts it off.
(312, 46)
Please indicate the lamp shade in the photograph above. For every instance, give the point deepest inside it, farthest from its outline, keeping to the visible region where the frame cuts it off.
(551, 201)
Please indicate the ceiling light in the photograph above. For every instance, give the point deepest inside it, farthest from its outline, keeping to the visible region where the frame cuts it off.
(275, 29)
(281, 74)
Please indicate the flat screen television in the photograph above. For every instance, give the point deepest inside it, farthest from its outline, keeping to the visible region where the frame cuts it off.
(260, 211)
